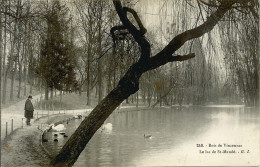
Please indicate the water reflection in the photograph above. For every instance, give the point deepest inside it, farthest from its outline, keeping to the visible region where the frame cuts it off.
(175, 135)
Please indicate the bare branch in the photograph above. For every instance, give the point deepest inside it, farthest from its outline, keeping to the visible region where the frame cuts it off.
(208, 4)
(102, 54)
(158, 61)
(137, 34)
(182, 58)
(118, 33)
(140, 24)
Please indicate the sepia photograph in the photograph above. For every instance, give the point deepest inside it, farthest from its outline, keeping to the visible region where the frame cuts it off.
(129, 83)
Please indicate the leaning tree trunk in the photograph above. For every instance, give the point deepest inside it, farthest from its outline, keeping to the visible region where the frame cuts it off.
(128, 85)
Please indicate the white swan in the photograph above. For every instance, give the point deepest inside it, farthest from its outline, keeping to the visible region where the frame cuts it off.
(78, 116)
(58, 128)
(107, 127)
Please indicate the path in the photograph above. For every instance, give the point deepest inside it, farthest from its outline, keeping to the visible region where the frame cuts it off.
(15, 112)
(22, 147)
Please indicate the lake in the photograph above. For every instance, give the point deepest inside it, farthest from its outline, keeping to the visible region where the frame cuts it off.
(177, 138)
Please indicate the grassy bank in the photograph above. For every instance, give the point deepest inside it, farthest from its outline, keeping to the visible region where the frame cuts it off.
(72, 101)
(23, 96)
(67, 102)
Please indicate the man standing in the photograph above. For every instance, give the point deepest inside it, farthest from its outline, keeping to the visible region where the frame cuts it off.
(28, 114)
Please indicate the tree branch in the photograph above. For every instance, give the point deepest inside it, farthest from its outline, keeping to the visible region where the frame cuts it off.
(142, 30)
(118, 33)
(166, 54)
(182, 58)
(137, 34)
(208, 4)
(158, 61)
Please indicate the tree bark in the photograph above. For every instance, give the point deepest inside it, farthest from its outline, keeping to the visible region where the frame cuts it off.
(128, 85)
(100, 70)
(4, 54)
(20, 71)
(1, 43)
(46, 92)
(25, 79)
(20, 81)
(5, 71)
(12, 85)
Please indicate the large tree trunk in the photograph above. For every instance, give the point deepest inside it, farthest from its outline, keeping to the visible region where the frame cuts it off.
(11, 62)
(20, 72)
(100, 80)
(4, 54)
(4, 71)
(25, 79)
(1, 42)
(18, 41)
(100, 64)
(20, 81)
(25, 57)
(4, 87)
(128, 85)
(12, 85)
(88, 70)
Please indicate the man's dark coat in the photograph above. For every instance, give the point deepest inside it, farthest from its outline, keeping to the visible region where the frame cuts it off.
(28, 109)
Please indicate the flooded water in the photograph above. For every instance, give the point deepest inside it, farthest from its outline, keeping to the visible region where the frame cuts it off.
(175, 135)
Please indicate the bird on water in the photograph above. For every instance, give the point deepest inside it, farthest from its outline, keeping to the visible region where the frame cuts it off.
(147, 136)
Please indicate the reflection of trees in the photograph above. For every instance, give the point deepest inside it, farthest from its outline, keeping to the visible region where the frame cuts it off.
(166, 126)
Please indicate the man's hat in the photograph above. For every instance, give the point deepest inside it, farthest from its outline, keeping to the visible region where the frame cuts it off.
(30, 97)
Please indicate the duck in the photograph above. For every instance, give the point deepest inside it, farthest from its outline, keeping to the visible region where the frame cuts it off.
(65, 135)
(44, 140)
(56, 135)
(147, 136)
(62, 133)
(55, 140)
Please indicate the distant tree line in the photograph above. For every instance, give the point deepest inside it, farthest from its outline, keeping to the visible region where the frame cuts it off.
(70, 46)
